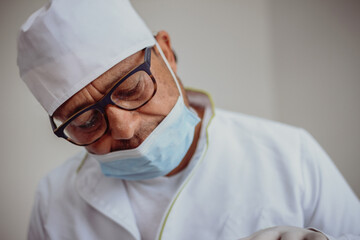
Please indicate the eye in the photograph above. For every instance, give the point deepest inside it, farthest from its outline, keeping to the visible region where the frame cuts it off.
(129, 93)
(134, 91)
(92, 122)
(87, 127)
(88, 121)
(131, 89)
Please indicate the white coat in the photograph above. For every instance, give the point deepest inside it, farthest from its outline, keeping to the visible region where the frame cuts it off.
(254, 174)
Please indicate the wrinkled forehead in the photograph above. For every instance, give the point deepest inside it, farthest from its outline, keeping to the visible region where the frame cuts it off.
(67, 44)
(96, 89)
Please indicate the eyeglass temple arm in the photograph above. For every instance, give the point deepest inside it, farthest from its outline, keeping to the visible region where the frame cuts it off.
(52, 122)
(148, 55)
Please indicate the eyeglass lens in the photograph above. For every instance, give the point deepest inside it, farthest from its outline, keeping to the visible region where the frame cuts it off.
(134, 91)
(88, 127)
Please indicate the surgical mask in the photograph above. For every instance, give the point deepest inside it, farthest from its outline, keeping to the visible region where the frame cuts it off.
(161, 152)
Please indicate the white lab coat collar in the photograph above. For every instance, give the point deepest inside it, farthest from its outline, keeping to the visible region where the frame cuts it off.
(107, 195)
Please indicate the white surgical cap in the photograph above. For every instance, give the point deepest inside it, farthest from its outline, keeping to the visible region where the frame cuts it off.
(66, 44)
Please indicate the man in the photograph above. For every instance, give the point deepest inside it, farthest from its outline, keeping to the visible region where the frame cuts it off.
(160, 162)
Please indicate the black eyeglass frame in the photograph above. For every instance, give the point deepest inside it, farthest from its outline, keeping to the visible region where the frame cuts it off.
(106, 100)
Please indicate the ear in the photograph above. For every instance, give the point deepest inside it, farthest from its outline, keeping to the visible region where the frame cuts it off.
(164, 42)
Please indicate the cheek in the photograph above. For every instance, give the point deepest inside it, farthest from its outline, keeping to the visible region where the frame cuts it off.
(167, 91)
(165, 98)
(161, 104)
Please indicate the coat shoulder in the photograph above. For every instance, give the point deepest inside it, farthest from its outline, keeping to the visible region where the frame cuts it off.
(59, 182)
(255, 129)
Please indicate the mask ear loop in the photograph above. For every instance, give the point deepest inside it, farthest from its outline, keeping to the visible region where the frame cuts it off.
(170, 69)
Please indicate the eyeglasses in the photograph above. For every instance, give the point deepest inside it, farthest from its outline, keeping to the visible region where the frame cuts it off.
(131, 92)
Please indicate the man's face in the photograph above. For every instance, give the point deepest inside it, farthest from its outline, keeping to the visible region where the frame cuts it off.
(127, 129)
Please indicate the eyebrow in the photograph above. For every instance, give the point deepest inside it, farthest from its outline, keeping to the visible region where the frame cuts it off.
(73, 110)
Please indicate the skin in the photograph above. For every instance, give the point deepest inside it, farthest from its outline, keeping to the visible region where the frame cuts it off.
(128, 129)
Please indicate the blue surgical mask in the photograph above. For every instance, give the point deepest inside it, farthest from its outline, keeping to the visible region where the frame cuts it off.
(161, 151)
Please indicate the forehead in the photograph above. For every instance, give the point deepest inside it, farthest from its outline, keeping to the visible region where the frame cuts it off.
(98, 87)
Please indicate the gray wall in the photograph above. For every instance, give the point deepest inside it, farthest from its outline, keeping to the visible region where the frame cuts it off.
(293, 61)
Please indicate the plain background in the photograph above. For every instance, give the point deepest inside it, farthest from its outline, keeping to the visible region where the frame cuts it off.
(294, 61)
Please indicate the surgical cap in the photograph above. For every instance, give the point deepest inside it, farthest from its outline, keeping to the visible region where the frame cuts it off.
(67, 44)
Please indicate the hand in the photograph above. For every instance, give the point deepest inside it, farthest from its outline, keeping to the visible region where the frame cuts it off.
(286, 233)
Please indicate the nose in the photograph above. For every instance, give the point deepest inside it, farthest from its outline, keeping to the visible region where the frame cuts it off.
(122, 123)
